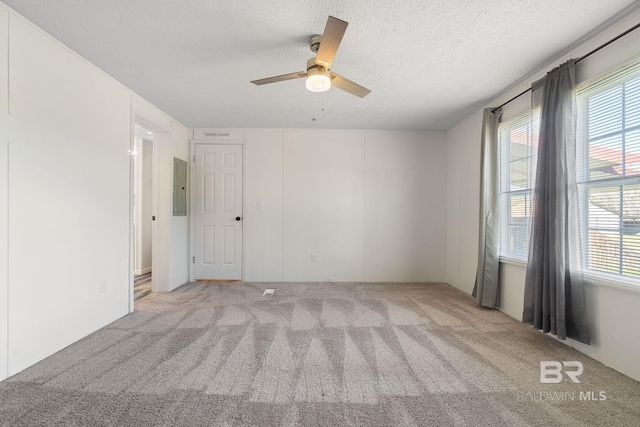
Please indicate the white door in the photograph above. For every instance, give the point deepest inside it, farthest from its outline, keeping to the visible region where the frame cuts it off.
(218, 212)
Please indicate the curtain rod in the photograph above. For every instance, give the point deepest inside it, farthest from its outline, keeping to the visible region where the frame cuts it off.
(577, 60)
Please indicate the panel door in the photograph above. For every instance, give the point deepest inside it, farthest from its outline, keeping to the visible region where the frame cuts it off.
(218, 212)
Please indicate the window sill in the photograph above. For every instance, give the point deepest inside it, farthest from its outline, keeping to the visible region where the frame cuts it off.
(606, 280)
(622, 283)
(513, 261)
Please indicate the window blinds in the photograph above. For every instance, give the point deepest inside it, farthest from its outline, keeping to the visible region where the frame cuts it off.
(515, 146)
(609, 172)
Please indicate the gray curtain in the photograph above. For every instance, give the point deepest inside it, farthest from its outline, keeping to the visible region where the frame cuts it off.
(486, 287)
(554, 295)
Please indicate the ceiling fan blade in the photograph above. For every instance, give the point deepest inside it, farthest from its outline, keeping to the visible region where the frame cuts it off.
(348, 86)
(331, 38)
(281, 78)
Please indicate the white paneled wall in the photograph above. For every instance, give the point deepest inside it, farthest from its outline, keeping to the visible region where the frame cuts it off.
(68, 199)
(366, 205)
(263, 229)
(4, 189)
(65, 186)
(463, 202)
(405, 209)
(324, 205)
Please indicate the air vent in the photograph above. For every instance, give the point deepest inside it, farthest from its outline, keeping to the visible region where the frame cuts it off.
(225, 134)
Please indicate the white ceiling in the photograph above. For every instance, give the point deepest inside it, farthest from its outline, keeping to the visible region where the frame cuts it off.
(428, 63)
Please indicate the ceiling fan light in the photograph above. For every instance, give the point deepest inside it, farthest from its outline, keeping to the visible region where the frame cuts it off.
(318, 80)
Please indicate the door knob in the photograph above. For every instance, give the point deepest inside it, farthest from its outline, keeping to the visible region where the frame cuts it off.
(238, 218)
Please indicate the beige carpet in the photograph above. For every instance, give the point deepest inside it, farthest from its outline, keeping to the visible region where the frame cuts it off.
(314, 354)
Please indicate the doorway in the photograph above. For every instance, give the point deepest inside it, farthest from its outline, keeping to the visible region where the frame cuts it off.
(150, 128)
(143, 184)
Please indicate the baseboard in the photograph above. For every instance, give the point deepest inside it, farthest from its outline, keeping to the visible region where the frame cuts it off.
(142, 271)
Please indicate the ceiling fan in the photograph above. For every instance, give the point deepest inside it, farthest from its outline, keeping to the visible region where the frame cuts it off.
(319, 75)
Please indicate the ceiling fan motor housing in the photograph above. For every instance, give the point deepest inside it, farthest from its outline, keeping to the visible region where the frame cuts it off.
(311, 65)
(314, 43)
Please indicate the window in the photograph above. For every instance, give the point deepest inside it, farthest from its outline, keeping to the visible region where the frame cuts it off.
(608, 168)
(609, 172)
(516, 175)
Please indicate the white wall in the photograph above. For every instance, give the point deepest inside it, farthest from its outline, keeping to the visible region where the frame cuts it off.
(323, 205)
(68, 135)
(179, 240)
(405, 209)
(4, 188)
(162, 210)
(263, 230)
(463, 202)
(613, 313)
(369, 204)
(68, 197)
(143, 174)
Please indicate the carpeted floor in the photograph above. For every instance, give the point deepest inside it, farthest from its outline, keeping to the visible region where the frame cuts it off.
(314, 354)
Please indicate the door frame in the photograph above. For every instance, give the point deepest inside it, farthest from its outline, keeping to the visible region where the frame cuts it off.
(4, 254)
(161, 228)
(192, 198)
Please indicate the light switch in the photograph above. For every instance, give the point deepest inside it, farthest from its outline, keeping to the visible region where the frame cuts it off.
(260, 206)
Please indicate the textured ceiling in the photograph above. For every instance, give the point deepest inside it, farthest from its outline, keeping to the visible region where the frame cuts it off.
(428, 63)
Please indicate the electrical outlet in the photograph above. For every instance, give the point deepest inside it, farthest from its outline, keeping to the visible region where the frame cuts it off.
(314, 257)
(103, 286)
